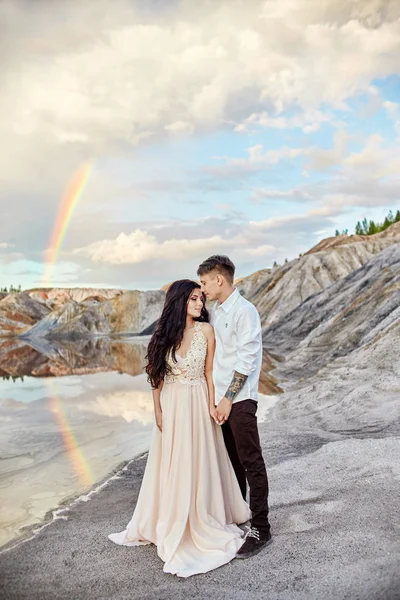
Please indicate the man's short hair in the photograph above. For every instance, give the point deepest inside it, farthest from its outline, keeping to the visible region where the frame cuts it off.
(220, 263)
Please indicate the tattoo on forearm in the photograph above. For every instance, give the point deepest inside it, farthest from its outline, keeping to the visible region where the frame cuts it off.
(236, 385)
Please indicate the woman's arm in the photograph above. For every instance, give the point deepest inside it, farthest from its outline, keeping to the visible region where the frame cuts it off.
(208, 369)
(157, 405)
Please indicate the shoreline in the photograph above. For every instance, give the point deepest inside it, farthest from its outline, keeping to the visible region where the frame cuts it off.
(29, 532)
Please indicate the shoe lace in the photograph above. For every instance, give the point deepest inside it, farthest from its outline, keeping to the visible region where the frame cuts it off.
(253, 532)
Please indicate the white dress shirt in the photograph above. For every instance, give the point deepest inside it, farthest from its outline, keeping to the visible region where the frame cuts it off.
(238, 347)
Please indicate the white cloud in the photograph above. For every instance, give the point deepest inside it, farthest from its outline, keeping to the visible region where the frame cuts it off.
(309, 121)
(330, 209)
(265, 250)
(257, 160)
(292, 194)
(180, 128)
(374, 160)
(391, 107)
(321, 158)
(140, 246)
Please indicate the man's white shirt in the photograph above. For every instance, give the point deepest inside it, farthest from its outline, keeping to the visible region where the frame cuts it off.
(238, 337)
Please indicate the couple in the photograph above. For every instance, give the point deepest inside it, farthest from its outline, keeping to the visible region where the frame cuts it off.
(205, 442)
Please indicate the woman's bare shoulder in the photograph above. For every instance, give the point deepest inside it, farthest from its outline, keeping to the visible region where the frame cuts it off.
(207, 329)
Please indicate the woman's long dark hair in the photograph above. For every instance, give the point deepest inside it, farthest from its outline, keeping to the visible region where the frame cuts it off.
(170, 327)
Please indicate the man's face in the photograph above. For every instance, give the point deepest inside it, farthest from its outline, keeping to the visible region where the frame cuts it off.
(211, 285)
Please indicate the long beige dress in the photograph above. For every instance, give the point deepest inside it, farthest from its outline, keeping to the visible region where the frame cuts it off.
(189, 500)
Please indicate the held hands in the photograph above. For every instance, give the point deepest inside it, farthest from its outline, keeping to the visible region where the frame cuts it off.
(223, 410)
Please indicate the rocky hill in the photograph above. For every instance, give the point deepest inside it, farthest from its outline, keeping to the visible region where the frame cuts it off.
(339, 240)
(78, 313)
(320, 306)
(276, 292)
(354, 313)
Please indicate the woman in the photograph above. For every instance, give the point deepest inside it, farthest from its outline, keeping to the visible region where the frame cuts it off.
(189, 499)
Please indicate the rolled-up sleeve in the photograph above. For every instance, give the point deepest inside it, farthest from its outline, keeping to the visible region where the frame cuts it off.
(249, 341)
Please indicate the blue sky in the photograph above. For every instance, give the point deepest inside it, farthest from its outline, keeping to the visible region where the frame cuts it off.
(250, 129)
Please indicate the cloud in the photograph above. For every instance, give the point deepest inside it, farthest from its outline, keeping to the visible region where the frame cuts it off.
(179, 128)
(309, 121)
(100, 76)
(265, 250)
(7, 258)
(257, 160)
(391, 107)
(140, 246)
(321, 159)
(366, 177)
(375, 159)
(320, 214)
(296, 194)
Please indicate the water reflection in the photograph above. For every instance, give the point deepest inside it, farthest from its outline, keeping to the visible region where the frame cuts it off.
(41, 358)
(69, 414)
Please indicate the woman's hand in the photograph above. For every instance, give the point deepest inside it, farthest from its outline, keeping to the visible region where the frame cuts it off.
(158, 415)
(213, 414)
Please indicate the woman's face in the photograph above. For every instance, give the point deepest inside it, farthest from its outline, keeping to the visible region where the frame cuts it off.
(195, 303)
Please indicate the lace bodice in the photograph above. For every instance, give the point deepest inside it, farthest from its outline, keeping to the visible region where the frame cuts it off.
(191, 368)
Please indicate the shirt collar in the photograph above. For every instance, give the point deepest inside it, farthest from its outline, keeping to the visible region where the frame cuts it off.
(230, 301)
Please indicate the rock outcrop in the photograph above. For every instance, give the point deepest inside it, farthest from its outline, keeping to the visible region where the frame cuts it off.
(276, 292)
(340, 240)
(135, 311)
(59, 296)
(78, 313)
(349, 314)
(19, 312)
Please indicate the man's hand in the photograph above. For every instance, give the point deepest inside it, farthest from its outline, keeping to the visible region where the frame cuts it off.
(158, 416)
(225, 406)
(223, 411)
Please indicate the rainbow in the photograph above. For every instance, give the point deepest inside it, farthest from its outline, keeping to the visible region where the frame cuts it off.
(72, 448)
(67, 207)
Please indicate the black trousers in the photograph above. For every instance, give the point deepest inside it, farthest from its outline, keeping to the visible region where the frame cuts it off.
(243, 445)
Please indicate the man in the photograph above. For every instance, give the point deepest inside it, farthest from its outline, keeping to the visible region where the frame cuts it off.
(237, 366)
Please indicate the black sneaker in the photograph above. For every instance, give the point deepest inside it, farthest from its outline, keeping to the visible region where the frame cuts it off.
(254, 542)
